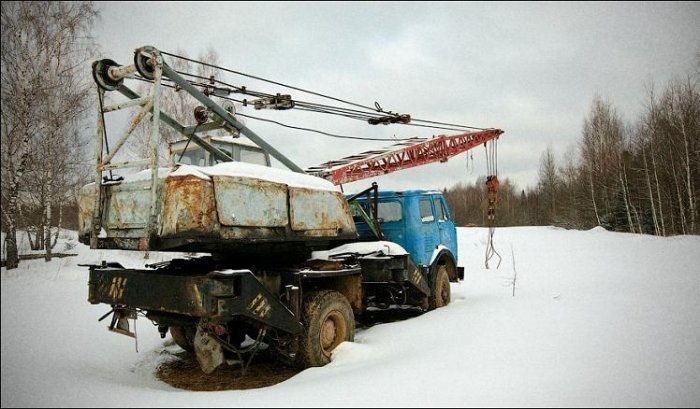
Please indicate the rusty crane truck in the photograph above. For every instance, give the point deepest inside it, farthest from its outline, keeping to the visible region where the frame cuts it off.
(286, 261)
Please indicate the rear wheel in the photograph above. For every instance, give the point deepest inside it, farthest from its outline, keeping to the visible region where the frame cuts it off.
(440, 289)
(328, 321)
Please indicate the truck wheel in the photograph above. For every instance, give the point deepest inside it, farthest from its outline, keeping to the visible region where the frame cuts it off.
(184, 337)
(328, 321)
(440, 289)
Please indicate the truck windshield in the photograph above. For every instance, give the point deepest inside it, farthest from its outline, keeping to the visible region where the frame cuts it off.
(195, 155)
(192, 157)
(253, 156)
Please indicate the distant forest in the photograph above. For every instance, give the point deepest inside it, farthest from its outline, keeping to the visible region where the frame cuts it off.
(641, 177)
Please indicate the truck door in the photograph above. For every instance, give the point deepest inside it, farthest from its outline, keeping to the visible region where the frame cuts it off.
(429, 229)
(446, 226)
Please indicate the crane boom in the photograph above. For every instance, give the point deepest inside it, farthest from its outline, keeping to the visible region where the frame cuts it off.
(403, 155)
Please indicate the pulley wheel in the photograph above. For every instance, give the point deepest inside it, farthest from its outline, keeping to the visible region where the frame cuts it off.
(100, 73)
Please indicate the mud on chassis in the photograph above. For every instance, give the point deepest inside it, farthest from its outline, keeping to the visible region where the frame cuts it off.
(228, 315)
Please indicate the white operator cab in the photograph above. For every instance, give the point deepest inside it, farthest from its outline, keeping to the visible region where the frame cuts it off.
(240, 149)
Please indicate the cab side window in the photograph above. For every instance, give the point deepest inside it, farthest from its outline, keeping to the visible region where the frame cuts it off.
(426, 211)
(389, 211)
(440, 209)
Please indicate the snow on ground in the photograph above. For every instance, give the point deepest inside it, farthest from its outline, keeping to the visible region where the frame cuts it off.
(598, 319)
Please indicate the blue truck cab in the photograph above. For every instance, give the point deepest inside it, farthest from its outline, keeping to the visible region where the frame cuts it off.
(421, 223)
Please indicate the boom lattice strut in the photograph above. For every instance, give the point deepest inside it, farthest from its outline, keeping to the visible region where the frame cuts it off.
(407, 154)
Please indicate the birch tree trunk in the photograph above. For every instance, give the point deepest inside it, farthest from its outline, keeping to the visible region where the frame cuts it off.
(45, 55)
(595, 207)
(15, 152)
(658, 191)
(628, 212)
(47, 225)
(651, 194)
(689, 183)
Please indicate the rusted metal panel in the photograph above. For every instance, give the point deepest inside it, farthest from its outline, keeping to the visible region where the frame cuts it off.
(189, 206)
(125, 213)
(86, 203)
(221, 214)
(242, 201)
(319, 212)
(127, 208)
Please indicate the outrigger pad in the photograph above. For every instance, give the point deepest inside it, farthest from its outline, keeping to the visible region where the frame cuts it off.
(120, 325)
(209, 352)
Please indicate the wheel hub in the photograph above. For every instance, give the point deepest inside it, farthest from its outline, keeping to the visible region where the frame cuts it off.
(328, 333)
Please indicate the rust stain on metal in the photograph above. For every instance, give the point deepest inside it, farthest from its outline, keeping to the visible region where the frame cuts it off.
(86, 203)
(319, 213)
(188, 205)
(250, 202)
(226, 209)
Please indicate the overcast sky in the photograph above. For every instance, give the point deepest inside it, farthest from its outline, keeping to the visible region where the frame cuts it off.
(530, 69)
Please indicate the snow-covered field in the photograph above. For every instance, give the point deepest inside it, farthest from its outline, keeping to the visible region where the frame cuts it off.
(598, 319)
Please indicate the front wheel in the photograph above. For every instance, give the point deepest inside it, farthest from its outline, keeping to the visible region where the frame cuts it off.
(440, 290)
(328, 321)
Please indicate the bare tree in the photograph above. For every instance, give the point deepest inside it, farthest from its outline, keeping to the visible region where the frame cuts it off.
(623, 158)
(667, 141)
(682, 110)
(549, 183)
(43, 52)
(603, 135)
(573, 191)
